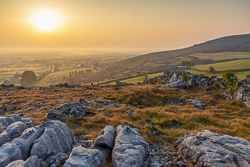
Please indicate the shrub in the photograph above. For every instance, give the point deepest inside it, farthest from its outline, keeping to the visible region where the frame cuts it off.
(162, 81)
(150, 82)
(232, 82)
(211, 69)
(186, 78)
(185, 63)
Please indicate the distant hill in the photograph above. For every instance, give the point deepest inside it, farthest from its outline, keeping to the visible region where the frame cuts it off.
(161, 60)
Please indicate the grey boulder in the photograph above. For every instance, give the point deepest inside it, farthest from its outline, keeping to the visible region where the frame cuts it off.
(54, 115)
(25, 141)
(129, 148)
(106, 137)
(209, 149)
(9, 152)
(64, 134)
(48, 144)
(83, 157)
(33, 161)
(16, 129)
(178, 84)
(4, 138)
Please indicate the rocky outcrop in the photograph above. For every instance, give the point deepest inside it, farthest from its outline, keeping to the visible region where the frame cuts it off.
(67, 110)
(178, 84)
(97, 154)
(30, 162)
(130, 147)
(10, 127)
(209, 149)
(9, 152)
(243, 95)
(47, 142)
(175, 80)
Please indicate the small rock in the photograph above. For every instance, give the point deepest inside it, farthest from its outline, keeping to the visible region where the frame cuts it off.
(130, 113)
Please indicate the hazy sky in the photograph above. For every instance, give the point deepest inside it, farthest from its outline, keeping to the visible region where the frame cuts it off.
(156, 24)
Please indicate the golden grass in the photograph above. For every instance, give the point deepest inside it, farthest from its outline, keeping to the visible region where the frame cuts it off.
(225, 117)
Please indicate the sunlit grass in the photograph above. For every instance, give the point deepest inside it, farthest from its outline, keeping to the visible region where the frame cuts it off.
(225, 116)
(221, 55)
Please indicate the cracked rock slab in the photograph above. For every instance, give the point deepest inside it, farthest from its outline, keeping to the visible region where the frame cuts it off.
(208, 149)
(129, 148)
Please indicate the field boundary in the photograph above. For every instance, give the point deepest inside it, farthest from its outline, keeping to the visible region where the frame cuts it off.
(246, 69)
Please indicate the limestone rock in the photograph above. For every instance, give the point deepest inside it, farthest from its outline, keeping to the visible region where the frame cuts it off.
(48, 144)
(106, 137)
(16, 129)
(129, 148)
(2, 128)
(64, 134)
(33, 161)
(15, 117)
(28, 122)
(83, 157)
(9, 152)
(25, 141)
(209, 149)
(198, 103)
(4, 138)
(243, 95)
(6, 121)
(178, 84)
(54, 115)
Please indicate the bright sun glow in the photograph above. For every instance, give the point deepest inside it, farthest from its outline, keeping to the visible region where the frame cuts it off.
(46, 20)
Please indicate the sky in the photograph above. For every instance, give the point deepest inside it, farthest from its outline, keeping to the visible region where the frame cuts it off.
(149, 24)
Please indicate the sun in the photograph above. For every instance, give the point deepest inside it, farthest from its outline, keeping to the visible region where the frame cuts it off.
(46, 20)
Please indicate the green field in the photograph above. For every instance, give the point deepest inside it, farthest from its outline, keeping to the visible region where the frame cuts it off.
(239, 75)
(135, 80)
(221, 55)
(230, 65)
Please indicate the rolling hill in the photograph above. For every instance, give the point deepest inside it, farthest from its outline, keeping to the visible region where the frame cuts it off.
(169, 59)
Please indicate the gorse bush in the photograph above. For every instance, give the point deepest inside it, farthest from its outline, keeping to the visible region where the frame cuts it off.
(232, 82)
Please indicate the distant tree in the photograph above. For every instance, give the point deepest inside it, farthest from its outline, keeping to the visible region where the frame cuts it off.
(28, 77)
(185, 63)
(211, 69)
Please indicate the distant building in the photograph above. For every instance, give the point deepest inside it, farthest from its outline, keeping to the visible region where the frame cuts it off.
(183, 67)
(12, 80)
(38, 74)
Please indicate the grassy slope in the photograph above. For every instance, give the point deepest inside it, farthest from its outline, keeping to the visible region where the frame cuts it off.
(240, 75)
(135, 80)
(226, 117)
(231, 65)
(221, 55)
